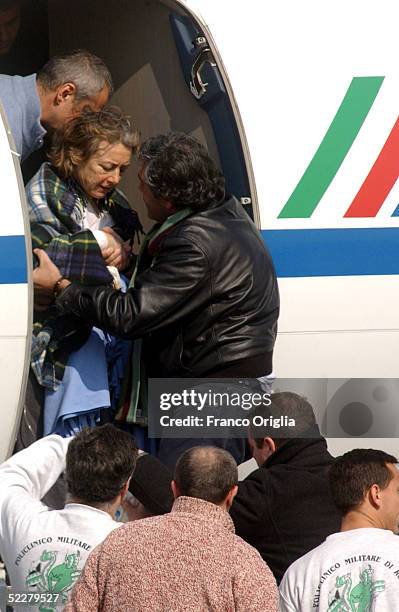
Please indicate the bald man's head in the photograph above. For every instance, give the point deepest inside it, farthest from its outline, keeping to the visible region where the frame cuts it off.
(206, 472)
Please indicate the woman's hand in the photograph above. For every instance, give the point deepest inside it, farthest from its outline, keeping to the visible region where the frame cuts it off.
(115, 254)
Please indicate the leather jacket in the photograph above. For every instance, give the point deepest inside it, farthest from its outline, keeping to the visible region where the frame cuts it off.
(207, 298)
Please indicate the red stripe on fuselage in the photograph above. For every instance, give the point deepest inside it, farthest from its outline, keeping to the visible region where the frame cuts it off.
(380, 180)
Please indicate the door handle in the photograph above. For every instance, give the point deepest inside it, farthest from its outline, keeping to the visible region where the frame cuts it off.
(197, 86)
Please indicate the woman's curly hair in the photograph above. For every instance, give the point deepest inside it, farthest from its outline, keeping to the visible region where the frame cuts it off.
(83, 135)
(179, 169)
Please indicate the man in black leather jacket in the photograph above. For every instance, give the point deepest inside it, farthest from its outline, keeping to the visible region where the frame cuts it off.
(205, 298)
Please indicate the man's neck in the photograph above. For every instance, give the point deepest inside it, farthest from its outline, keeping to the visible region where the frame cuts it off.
(361, 518)
(45, 103)
(108, 507)
(224, 506)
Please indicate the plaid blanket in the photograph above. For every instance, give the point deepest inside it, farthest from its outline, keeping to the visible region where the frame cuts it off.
(56, 214)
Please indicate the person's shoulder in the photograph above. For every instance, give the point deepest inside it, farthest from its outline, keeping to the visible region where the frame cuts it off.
(9, 86)
(246, 555)
(251, 493)
(260, 475)
(241, 547)
(17, 82)
(187, 238)
(231, 207)
(42, 180)
(11, 79)
(6, 79)
(212, 227)
(134, 536)
(195, 230)
(45, 171)
(120, 199)
(131, 531)
(312, 558)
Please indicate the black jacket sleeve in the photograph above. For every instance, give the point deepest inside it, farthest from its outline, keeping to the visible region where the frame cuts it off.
(163, 294)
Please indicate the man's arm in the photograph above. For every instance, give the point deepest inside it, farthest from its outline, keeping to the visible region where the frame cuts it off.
(27, 476)
(285, 606)
(287, 603)
(162, 295)
(79, 256)
(255, 587)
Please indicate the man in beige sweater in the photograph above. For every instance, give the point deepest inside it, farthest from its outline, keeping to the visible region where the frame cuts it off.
(187, 560)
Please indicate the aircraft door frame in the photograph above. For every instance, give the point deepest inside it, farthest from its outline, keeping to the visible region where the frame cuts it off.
(16, 290)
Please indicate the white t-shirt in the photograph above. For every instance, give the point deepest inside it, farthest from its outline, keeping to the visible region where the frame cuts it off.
(44, 550)
(356, 570)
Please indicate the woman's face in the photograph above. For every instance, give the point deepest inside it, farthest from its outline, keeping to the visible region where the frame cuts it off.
(102, 171)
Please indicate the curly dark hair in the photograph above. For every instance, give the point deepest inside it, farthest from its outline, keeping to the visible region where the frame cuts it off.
(179, 169)
(83, 135)
(99, 462)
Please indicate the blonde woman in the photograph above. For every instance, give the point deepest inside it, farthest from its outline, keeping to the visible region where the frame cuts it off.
(84, 223)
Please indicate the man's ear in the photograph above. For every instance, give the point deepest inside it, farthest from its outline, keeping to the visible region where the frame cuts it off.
(374, 496)
(175, 489)
(124, 490)
(230, 496)
(269, 446)
(65, 93)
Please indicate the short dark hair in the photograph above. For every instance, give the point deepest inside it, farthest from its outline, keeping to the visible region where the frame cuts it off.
(84, 69)
(206, 472)
(287, 404)
(99, 462)
(355, 472)
(180, 170)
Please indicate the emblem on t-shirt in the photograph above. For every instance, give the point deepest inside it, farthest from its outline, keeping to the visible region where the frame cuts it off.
(45, 576)
(358, 595)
